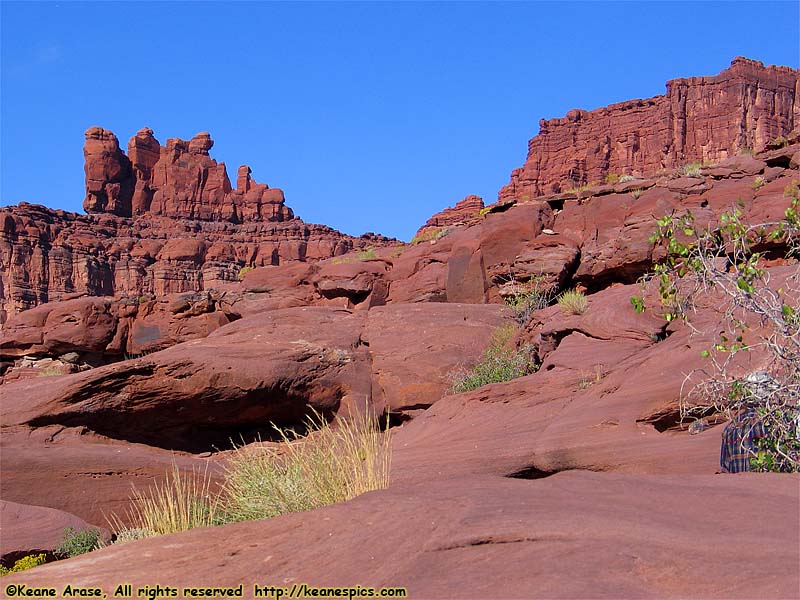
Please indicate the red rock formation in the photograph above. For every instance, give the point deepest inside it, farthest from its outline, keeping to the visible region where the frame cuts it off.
(162, 220)
(109, 179)
(463, 211)
(704, 119)
(179, 180)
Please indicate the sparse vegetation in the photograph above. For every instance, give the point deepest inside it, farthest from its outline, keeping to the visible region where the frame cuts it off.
(779, 142)
(636, 193)
(500, 363)
(691, 169)
(24, 563)
(762, 405)
(484, 211)
(612, 178)
(527, 298)
(588, 379)
(183, 501)
(367, 254)
(758, 183)
(243, 271)
(573, 302)
(430, 235)
(626, 178)
(582, 188)
(330, 464)
(76, 542)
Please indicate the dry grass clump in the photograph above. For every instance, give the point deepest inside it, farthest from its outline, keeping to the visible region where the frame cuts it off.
(331, 464)
(573, 302)
(183, 501)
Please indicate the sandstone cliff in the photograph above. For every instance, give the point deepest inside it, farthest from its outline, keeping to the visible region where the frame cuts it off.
(704, 119)
(161, 220)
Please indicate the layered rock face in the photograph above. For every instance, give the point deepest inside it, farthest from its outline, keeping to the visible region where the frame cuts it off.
(161, 220)
(179, 180)
(705, 119)
(468, 208)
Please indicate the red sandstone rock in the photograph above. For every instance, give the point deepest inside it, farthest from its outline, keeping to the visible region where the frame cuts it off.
(699, 119)
(462, 212)
(572, 535)
(109, 180)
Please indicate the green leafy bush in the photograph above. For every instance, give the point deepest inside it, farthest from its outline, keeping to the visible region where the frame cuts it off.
(573, 302)
(726, 257)
(78, 542)
(24, 563)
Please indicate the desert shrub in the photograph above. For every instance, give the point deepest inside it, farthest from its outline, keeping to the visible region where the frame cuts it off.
(330, 464)
(499, 363)
(726, 257)
(636, 193)
(758, 183)
(24, 563)
(779, 142)
(484, 211)
(243, 271)
(430, 235)
(367, 254)
(131, 534)
(183, 501)
(573, 302)
(78, 542)
(527, 298)
(612, 178)
(691, 169)
(626, 178)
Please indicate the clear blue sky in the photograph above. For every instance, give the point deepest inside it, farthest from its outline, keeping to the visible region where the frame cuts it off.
(370, 116)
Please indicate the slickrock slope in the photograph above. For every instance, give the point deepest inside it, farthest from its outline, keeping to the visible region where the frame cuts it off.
(162, 220)
(746, 106)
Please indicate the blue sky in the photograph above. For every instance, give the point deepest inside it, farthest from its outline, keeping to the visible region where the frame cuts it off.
(370, 116)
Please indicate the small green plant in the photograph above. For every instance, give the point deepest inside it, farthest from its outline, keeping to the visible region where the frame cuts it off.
(792, 190)
(332, 463)
(24, 563)
(691, 169)
(758, 183)
(573, 302)
(612, 178)
(626, 178)
(484, 211)
(78, 542)
(243, 271)
(143, 299)
(636, 193)
(746, 151)
(430, 235)
(499, 364)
